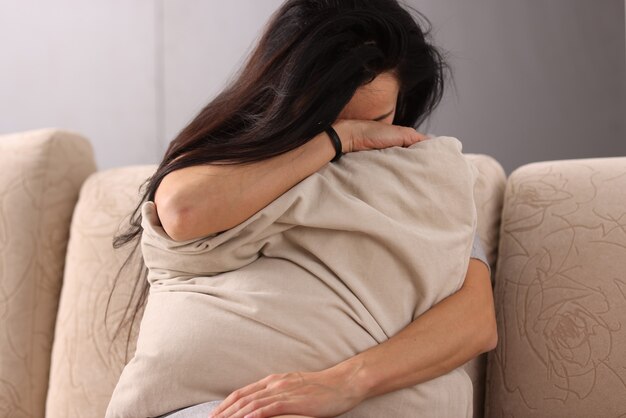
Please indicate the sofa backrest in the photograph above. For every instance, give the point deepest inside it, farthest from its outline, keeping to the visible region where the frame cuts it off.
(41, 172)
(85, 364)
(86, 361)
(489, 196)
(560, 292)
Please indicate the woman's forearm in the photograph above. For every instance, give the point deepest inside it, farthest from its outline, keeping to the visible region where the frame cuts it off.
(233, 193)
(449, 334)
(457, 329)
(200, 200)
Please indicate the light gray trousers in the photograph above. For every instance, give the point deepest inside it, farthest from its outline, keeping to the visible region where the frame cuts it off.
(196, 411)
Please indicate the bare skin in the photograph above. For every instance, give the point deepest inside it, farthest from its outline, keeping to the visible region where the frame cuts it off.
(432, 345)
(234, 193)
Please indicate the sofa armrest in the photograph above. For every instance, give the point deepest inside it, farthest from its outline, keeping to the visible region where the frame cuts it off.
(560, 292)
(41, 172)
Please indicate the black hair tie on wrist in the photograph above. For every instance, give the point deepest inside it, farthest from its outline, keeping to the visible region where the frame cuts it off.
(334, 138)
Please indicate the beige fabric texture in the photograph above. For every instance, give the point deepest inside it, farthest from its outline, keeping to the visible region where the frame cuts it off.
(339, 263)
(561, 292)
(488, 195)
(41, 172)
(86, 363)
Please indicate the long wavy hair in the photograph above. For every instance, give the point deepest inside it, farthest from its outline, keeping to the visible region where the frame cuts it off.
(306, 66)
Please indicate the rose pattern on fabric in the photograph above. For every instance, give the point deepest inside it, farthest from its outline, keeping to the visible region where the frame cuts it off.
(561, 314)
(42, 171)
(83, 346)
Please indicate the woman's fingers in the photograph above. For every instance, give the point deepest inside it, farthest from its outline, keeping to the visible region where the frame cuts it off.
(253, 404)
(309, 394)
(368, 135)
(412, 137)
(238, 395)
(360, 135)
(421, 136)
(240, 406)
(271, 410)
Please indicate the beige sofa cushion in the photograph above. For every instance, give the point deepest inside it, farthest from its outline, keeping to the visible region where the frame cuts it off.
(85, 365)
(41, 172)
(561, 292)
(488, 195)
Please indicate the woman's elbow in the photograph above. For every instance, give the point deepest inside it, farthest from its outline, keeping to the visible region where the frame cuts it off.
(488, 325)
(478, 284)
(175, 216)
(492, 338)
(172, 222)
(181, 214)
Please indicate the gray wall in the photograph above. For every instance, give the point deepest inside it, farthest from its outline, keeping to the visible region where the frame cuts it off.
(535, 80)
(205, 44)
(87, 66)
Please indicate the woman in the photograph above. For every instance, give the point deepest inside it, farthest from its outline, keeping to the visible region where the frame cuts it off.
(364, 68)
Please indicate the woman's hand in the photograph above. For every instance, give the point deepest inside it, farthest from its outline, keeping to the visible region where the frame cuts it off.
(327, 393)
(360, 135)
(435, 343)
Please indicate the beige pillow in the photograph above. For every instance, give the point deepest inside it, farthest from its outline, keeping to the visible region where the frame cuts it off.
(340, 262)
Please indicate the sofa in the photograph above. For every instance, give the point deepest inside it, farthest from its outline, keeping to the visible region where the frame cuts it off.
(554, 233)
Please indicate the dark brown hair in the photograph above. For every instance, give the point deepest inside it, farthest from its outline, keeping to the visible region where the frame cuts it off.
(309, 61)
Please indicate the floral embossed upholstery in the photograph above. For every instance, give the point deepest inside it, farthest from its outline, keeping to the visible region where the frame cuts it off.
(41, 172)
(560, 292)
(85, 365)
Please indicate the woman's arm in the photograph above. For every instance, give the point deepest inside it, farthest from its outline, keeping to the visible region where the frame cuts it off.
(454, 331)
(231, 194)
(200, 200)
